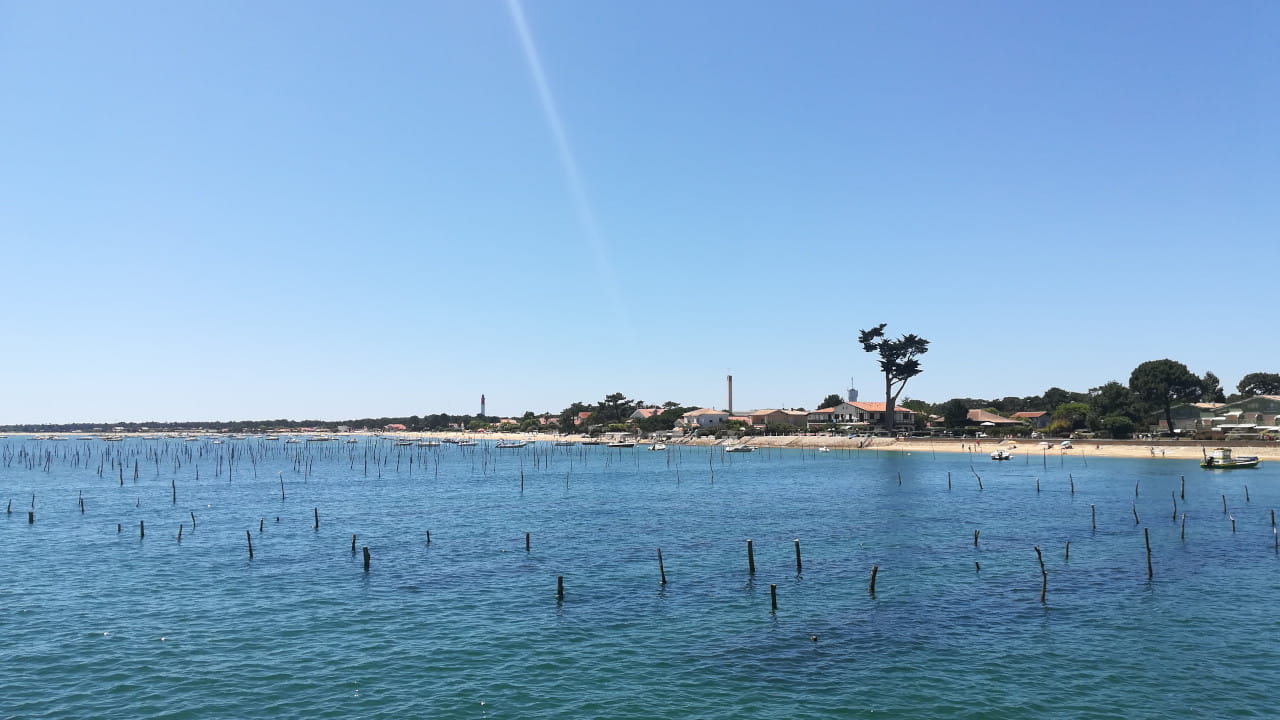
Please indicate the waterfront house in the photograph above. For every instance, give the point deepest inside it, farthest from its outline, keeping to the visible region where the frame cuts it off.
(849, 415)
(1038, 419)
(704, 418)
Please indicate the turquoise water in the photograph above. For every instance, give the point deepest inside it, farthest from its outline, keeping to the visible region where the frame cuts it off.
(100, 623)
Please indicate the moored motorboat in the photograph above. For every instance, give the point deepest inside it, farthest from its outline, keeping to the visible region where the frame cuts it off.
(508, 444)
(658, 446)
(739, 448)
(1221, 459)
(1001, 455)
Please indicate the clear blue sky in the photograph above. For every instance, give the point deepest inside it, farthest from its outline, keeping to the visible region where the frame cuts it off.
(327, 210)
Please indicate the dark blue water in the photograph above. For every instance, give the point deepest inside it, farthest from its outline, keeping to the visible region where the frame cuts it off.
(98, 622)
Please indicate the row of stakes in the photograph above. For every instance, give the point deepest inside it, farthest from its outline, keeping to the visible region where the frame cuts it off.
(751, 564)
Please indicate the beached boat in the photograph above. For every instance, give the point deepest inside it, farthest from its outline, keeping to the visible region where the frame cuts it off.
(506, 444)
(1001, 455)
(1221, 459)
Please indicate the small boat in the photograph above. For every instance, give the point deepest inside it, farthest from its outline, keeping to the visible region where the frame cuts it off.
(1221, 459)
(592, 442)
(1001, 455)
(658, 446)
(404, 443)
(291, 441)
(620, 444)
(563, 443)
(507, 444)
(824, 449)
(350, 441)
(465, 443)
(429, 443)
(739, 448)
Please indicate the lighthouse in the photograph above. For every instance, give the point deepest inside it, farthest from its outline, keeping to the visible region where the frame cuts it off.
(481, 405)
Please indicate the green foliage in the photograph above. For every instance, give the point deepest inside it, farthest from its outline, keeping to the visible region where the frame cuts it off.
(898, 361)
(1164, 382)
(831, 400)
(1260, 383)
(1113, 399)
(1072, 415)
(1118, 426)
(1212, 388)
(954, 412)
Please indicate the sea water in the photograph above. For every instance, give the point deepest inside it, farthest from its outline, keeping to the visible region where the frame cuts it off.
(99, 621)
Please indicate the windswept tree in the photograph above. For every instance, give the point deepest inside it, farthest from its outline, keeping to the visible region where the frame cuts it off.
(897, 361)
(1163, 383)
(1259, 383)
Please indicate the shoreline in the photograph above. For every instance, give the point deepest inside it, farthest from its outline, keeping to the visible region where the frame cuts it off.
(1164, 449)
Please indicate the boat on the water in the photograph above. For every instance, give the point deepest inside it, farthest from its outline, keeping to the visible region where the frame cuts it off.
(658, 446)
(620, 444)
(739, 448)
(1222, 459)
(506, 444)
(1001, 455)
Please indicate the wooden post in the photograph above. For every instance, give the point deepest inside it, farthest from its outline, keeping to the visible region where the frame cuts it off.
(249, 536)
(1072, 480)
(1175, 505)
(899, 477)
(1276, 539)
(798, 565)
(948, 479)
(119, 528)
(1146, 533)
(773, 597)
(751, 559)
(976, 566)
(662, 572)
(353, 543)
(1093, 516)
(142, 528)
(526, 542)
(1224, 504)
(1273, 518)
(281, 485)
(428, 537)
(1184, 527)
(1182, 493)
(1044, 576)
(559, 588)
(1233, 524)
(174, 485)
(1037, 486)
(1067, 557)
(1246, 493)
(1135, 487)
(1136, 521)
(975, 537)
(366, 558)
(317, 525)
(260, 522)
(179, 533)
(31, 517)
(874, 569)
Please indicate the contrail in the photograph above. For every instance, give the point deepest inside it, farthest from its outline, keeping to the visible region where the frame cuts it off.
(585, 216)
